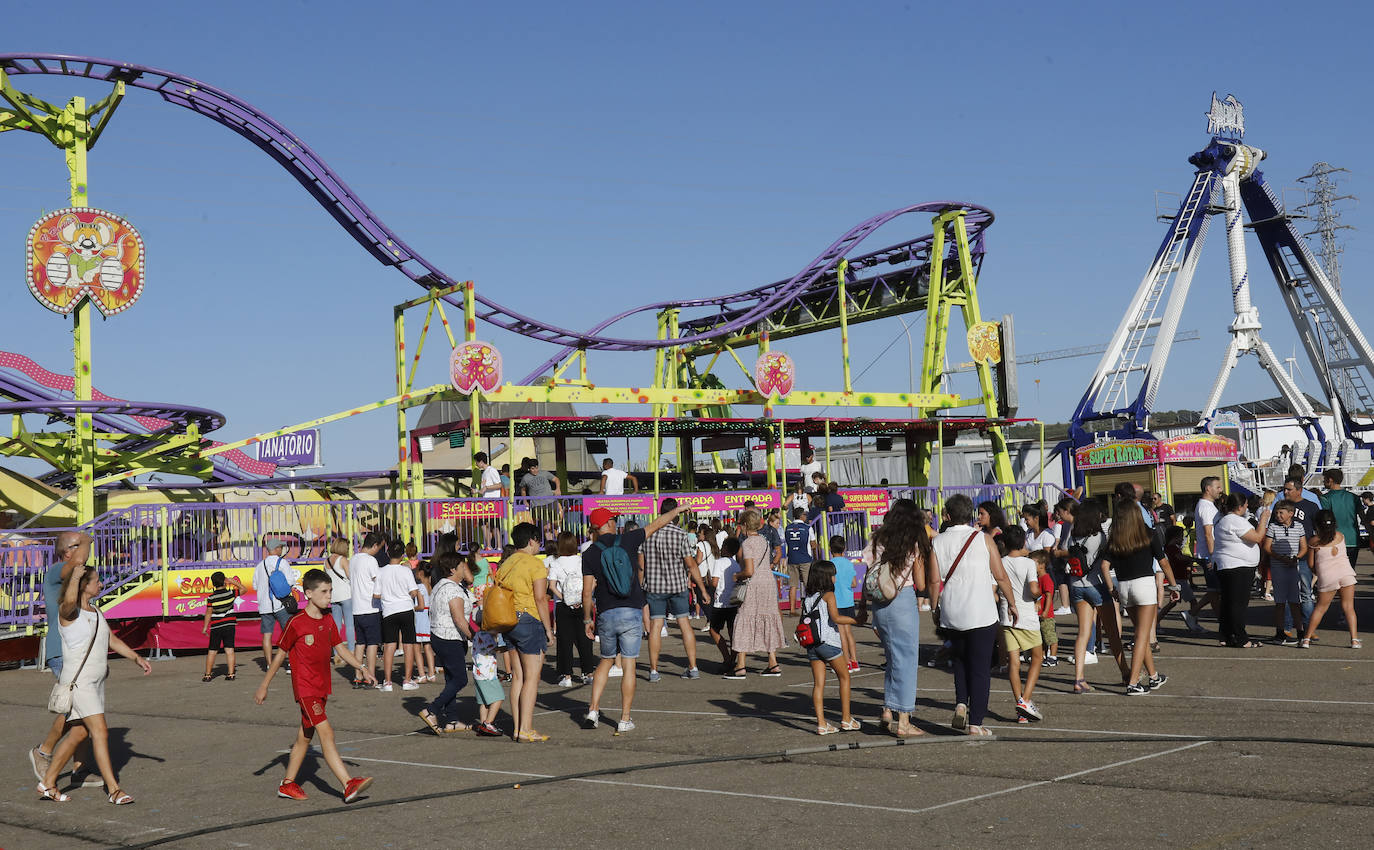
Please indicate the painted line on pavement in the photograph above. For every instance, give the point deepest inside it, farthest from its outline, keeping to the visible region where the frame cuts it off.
(803, 800)
(1063, 778)
(1155, 695)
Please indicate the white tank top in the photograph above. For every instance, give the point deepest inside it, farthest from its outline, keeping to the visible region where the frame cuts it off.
(76, 638)
(966, 600)
(343, 588)
(829, 634)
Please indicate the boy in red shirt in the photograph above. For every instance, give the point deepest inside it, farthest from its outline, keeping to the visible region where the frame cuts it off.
(1049, 636)
(309, 640)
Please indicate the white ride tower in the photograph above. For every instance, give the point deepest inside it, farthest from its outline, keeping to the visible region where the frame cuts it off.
(1245, 329)
(1121, 395)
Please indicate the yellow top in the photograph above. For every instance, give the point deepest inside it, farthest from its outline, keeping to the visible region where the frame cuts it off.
(518, 574)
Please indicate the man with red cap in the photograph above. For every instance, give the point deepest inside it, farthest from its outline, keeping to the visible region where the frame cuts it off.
(611, 579)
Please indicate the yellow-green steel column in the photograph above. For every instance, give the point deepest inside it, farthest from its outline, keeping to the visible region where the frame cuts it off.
(1001, 457)
(844, 322)
(73, 133)
(474, 400)
(402, 432)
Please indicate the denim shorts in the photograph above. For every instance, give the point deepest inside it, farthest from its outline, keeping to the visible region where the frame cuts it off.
(660, 604)
(528, 637)
(1089, 593)
(620, 631)
(822, 652)
(269, 621)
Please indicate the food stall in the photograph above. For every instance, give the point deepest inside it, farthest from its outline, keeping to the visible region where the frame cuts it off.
(1173, 467)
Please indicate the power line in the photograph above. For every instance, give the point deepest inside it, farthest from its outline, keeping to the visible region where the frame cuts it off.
(1078, 351)
(1322, 209)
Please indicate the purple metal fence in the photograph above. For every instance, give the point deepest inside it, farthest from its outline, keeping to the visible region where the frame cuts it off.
(1015, 495)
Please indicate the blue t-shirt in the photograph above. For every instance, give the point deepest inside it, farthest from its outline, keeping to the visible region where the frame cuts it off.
(771, 534)
(52, 595)
(844, 577)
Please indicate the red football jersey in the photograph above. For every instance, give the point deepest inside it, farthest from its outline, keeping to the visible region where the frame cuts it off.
(309, 643)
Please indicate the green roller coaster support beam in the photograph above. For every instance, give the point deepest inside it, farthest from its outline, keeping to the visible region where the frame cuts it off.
(954, 283)
(75, 129)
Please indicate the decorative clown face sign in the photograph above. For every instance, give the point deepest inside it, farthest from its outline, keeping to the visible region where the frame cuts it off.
(775, 372)
(475, 365)
(80, 253)
(985, 343)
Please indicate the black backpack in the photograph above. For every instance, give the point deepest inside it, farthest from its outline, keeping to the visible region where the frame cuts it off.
(808, 631)
(1079, 563)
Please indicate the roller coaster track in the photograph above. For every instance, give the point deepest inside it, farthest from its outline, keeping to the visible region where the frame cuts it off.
(23, 380)
(808, 298)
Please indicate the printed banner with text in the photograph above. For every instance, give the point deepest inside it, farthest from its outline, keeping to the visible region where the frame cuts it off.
(875, 501)
(468, 509)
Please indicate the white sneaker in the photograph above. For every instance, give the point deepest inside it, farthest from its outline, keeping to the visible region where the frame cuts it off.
(616, 672)
(409, 686)
(565, 682)
(671, 617)
(625, 726)
(387, 688)
(1062, 612)
(591, 720)
(1090, 658)
(400, 653)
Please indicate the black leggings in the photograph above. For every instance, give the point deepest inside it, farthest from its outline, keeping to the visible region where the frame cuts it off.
(1235, 601)
(971, 652)
(572, 632)
(452, 656)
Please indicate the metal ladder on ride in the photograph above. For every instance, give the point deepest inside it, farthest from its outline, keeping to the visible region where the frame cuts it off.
(1146, 318)
(1346, 378)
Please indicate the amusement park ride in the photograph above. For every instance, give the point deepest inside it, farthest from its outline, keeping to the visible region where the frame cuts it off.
(1121, 395)
(936, 272)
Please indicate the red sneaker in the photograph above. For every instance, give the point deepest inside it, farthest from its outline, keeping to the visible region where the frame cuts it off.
(290, 790)
(356, 786)
(853, 666)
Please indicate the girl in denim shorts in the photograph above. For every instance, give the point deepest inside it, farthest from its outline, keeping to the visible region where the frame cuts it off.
(820, 601)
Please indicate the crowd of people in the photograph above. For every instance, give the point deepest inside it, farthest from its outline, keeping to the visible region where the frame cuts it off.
(995, 588)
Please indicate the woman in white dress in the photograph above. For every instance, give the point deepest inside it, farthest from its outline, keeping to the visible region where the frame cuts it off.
(85, 635)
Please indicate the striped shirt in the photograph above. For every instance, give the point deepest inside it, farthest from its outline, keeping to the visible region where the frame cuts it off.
(1287, 538)
(221, 605)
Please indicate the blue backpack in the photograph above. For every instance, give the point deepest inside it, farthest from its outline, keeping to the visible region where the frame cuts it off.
(278, 583)
(616, 567)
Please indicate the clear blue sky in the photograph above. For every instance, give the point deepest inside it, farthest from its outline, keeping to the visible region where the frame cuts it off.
(576, 159)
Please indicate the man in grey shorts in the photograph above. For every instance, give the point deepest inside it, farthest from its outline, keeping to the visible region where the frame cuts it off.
(269, 608)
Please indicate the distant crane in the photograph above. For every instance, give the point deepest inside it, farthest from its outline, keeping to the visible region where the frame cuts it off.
(1079, 351)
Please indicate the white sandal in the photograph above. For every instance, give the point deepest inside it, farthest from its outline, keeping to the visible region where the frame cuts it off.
(53, 794)
(119, 798)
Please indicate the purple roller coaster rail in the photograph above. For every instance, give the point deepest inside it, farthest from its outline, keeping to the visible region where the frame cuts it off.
(736, 313)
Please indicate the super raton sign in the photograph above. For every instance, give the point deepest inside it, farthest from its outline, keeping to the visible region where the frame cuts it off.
(80, 253)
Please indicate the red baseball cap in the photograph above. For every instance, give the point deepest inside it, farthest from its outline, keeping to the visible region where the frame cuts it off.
(601, 516)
